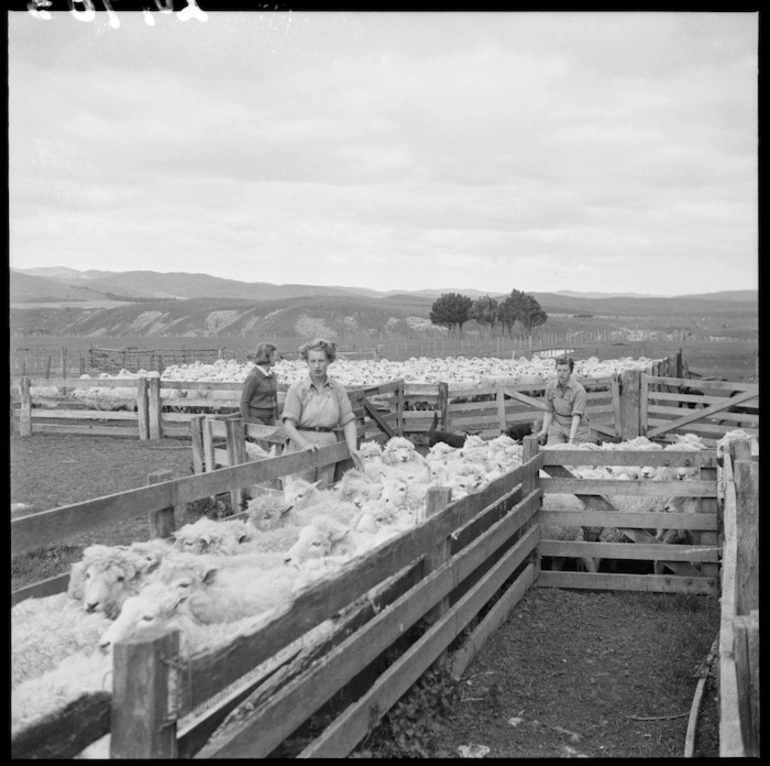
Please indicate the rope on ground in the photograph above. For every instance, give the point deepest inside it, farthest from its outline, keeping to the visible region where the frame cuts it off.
(702, 672)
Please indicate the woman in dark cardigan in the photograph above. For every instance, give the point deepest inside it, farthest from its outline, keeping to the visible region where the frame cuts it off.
(259, 396)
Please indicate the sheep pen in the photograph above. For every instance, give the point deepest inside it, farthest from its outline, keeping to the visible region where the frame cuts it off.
(692, 608)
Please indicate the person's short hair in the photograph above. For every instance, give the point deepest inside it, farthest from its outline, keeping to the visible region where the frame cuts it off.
(564, 359)
(263, 352)
(329, 347)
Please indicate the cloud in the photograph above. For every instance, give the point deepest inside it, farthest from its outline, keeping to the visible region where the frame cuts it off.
(391, 150)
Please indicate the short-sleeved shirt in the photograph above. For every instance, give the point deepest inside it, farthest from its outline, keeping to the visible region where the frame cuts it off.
(259, 395)
(311, 406)
(566, 402)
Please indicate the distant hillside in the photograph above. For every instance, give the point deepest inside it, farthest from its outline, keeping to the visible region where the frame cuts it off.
(31, 289)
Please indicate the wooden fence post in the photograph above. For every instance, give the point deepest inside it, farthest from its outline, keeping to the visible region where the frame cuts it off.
(643, 404)
(25, 413)
(443, 405)
(500, 399)
(154, 407)
(629, 400)
(142, 413)
(64, 362)
(144, 686)
(747, 521)
(746, 648)
(48, 366)
(436, 500)
(400, 408)
(162, 521)
(196, 436)
(236, 454)
(529, 448)
(81, 364)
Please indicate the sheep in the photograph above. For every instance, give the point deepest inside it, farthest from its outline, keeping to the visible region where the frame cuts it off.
(78, 674)
(325, 537)
(370, 453)
(436, 436)
(46, 630)
(209, 536)
(209, 596)
(303, 500)
(265, 507)
(357, 487)
(106, 576)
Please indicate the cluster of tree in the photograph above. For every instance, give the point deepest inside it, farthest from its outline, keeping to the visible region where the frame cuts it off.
(453, 310)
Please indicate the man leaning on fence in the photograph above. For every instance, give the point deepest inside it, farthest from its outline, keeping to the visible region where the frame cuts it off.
(565, 419)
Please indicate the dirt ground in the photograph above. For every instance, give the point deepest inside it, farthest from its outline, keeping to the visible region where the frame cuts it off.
(575, 673)
(569, 674)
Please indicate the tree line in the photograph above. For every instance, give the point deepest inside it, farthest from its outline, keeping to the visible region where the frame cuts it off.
(494, 318)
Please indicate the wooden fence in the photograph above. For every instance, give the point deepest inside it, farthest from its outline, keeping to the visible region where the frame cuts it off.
(443, 573)
(686, 568)
(462, 569)
(739, 627)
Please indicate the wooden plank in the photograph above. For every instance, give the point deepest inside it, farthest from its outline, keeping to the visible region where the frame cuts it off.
(352, 725)
(154, 408)
(442, 404)
(748, 703)
(500, 398)
(48, 587)
(643, 404)
(162, 521)
(209, 459)
(142, 409)
(625, 582)
(436, 500)
(628, 457)
(716, 385)
(143, 723)
(635, 487)
(95, 415)
(628, 551)
(86, 430)
(630, 521)
(490, 623)
(281, 714)
(25, 414)
(746, 474)
(617, 416)
(537, 404)
(375, 416)
(700, 414)
(236, 455)
(196, 437)
(630, 398)
(67, 732)
(319, 603)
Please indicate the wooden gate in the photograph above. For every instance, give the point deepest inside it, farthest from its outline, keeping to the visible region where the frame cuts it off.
(707, 408)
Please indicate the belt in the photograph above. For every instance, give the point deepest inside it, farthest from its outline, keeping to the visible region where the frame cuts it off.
(317, 429)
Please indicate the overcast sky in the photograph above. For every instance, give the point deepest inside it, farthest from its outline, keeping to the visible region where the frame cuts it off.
(538, 151)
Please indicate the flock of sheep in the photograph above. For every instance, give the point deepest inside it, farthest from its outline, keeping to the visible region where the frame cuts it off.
(460, 372)
(216, 579)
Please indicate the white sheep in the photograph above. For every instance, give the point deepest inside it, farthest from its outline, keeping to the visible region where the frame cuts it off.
(303, 500)
(107, 575)
(209, 596)
(326, 536)
(211, 536)
(46, 630)
(265, 507)
(357, 487)
(399, 454)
